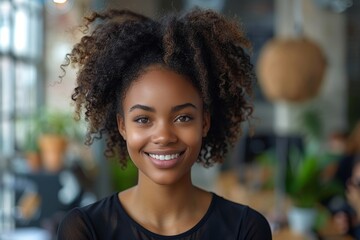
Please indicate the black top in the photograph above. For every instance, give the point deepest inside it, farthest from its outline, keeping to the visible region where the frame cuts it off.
(107, 219)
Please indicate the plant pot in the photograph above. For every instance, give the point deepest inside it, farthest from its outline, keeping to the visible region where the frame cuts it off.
(302, 220)
(52, 149)
(33, 161)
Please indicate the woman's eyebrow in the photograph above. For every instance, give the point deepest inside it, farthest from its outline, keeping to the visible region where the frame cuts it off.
(142, 107)
(151, 109)
(182, 106)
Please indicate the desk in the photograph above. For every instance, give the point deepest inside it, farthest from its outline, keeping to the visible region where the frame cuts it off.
(228, 186)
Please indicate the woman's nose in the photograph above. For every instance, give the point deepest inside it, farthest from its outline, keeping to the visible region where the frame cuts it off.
(164, 134)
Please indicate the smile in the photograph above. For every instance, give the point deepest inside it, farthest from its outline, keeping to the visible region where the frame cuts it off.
(166, 157)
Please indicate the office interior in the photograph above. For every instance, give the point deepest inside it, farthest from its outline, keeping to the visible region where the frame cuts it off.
(322, 113)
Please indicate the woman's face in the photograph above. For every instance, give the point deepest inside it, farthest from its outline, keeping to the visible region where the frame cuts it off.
(163, 125)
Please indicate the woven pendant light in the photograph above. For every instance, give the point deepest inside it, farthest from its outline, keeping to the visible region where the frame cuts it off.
(291, 69)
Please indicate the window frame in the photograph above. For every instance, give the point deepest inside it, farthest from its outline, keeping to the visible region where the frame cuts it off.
(21, 71)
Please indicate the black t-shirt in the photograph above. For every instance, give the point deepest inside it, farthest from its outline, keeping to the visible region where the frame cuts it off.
(107, 219)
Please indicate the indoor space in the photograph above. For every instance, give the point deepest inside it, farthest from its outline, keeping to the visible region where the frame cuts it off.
(296, 160)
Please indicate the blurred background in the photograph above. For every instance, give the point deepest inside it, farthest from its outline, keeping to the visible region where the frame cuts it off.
(303, 138)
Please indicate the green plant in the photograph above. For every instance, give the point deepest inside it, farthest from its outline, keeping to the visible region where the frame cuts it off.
(30, 143)
(305, 183)
(122, 178)
(313, 124)
(267, 162)
(56, 122)
(51, 122)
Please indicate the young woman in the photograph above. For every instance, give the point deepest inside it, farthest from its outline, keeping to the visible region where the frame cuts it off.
(167, 94)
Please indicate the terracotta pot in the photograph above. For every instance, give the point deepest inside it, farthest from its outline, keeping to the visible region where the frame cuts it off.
(34, 161)
(291, 69)
(52, 149)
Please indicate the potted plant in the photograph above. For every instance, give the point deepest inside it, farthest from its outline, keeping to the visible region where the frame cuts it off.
(55, 130)
(307, 186)
(31, 148)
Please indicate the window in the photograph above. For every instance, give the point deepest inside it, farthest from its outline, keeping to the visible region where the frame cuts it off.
(21, 60)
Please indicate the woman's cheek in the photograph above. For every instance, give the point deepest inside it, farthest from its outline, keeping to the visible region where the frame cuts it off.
(136, 138)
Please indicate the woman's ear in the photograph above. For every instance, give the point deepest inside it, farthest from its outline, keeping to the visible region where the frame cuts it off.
(121, 126)
(206, 123)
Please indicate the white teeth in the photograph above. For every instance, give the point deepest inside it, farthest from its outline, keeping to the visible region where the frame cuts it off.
(164, 157)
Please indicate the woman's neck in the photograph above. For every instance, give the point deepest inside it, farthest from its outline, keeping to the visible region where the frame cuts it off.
(166, 209)
(164, 199)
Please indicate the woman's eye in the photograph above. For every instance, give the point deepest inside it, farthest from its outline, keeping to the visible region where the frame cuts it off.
(142, 120)
(183, 118)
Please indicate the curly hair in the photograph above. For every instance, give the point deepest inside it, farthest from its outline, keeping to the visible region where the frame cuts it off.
(205, 46)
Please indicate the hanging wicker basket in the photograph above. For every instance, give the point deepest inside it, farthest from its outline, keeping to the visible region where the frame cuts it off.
(291, 69)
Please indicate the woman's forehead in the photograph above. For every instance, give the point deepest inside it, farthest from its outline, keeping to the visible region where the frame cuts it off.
(159, 85)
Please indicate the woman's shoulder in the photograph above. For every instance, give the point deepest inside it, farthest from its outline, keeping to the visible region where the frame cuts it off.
(85, 221)
(93, 210)
(228, 205)
(248, 221)
(96, 210)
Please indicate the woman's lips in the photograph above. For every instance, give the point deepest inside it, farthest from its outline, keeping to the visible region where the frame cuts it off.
(164, 161)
